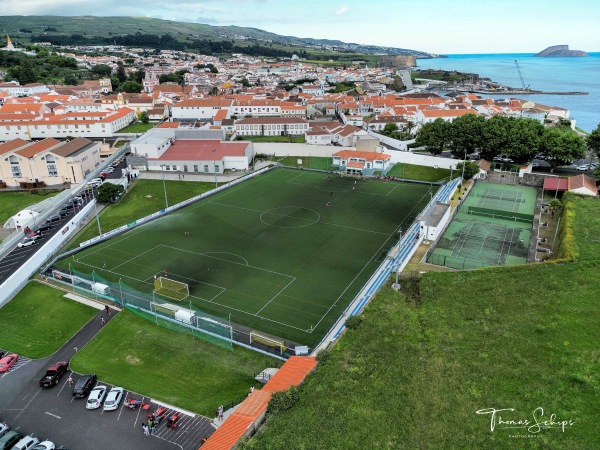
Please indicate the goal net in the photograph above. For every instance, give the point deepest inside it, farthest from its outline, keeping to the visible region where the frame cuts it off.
(264, 340)
(175, 290)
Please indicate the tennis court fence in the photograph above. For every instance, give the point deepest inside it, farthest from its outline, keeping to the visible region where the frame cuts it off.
(454, 262)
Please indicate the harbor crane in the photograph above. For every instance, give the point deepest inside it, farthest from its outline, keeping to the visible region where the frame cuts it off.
(525, 88)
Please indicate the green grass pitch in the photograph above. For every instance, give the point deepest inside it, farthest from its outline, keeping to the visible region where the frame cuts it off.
(268, 251)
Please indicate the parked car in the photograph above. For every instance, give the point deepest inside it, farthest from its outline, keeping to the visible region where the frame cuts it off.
(63, 213)
(84, 385)
(110, 170)
(9, 439)
(45, 445)
(8, 361)
(26, 443)
(54, 218)
(26, 242)
(34, 235)
(53, 374)
(3, 428)
(96, 397)
(68, 205)
(45, 226)
(113, 399)
(584, 167)
(3, 354)
(104, 174)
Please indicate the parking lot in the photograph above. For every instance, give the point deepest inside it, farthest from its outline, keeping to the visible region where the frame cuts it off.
(56, 415)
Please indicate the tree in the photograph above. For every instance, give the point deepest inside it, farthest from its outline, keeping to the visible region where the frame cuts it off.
(433, 136)
(214, 91)
(102, 70)
(525, 140)
(390, 128)
(26, 74)
(121, 75)
(471, 169)
(131, 86)
(597, 173)
(561, 147)
(555, 205)
(496, 136)
(70, 80)
(109, 192)
(144, 118)
(465, 133)
(593, 141)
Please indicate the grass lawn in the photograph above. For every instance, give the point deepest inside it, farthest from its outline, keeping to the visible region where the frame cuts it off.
(421, 173)
(232, 259)
(144, 197)
(293, 139)
(421, 363)
(137, 128)
(175, 368)
(13, 202)
(309, 162)
(39, 320)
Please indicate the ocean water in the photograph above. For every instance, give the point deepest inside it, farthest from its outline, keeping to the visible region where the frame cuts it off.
(544, 74)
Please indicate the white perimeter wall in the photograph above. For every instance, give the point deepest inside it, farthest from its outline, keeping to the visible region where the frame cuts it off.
(277, 149)
(20, 277)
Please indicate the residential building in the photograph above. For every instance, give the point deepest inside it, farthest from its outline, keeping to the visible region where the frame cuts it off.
(48, 161)
(271, 126)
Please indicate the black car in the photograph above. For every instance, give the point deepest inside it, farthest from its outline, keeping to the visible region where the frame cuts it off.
(63, 212)
(45, 226)
(9, 439)
(84, 385)
(69, 206)
(54, 218)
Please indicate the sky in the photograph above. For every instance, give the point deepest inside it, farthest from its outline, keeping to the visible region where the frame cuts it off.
(436, 26)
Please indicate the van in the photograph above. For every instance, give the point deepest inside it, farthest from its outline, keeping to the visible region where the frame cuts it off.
(26, 443)
(10, 439)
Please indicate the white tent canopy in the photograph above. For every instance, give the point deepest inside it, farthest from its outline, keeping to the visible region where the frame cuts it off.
(24, 218)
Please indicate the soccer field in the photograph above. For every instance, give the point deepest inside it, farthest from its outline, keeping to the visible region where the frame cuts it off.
(269, 251)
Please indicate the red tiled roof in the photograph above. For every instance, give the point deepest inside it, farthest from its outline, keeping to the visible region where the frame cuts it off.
(582, 181)
(292, 373)
(12, 145)
(367, 156)
(269, 120)
(555, 184)
(355, 165)
(37, 147)
(202, 150)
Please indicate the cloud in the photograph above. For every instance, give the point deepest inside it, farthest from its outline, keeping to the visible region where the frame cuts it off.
(341, 10)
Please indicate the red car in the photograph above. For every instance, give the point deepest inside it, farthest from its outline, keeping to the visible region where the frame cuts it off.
(8, 361)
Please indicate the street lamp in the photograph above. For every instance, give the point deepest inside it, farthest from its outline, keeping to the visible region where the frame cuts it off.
(214, 166)
(464, 164)
(428, 215)
(162, 169)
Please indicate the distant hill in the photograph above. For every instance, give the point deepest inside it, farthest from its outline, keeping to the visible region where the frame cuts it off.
(26, 29)
(560, 51)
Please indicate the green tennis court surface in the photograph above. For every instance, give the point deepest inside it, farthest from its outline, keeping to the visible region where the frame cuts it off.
(268, 251)
(491, 228)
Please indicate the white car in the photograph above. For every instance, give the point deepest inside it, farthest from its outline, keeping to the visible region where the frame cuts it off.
(96, 397)
(113, 399)
(3, 428)
(584, 167)
(26, 443)
(45, 445)
(26, 242)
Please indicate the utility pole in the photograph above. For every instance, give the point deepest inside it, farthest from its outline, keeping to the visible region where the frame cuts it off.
(215, 166)
(396, 284)
(162, 168)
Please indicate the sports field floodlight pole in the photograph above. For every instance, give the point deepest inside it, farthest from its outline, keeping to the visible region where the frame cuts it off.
(214, 150)
(464, 164)
(396, 285)
(162, 169)
(428, 215)
(96, 213)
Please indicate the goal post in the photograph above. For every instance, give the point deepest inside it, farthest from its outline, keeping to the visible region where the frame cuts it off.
(175, 290)
(265, 340)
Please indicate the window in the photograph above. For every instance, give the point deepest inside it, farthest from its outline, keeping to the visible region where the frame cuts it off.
(52, 171)
(195, 168)
(16, 170)
(185, 169)
(206, 168)
(216, 167)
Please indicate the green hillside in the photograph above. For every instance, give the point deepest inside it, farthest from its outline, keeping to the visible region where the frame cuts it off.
(23, 28)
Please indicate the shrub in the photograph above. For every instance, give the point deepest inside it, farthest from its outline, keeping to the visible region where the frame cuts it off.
(567, 250)
(281, 401)
(353, 322)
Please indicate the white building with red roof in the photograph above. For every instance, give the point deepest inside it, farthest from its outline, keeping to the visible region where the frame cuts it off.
(361, 163)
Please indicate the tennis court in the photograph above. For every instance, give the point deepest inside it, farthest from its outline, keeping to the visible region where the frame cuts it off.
(283, 253)
(491, 228)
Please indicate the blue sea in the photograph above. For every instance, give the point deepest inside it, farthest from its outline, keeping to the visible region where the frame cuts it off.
(544, 74)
